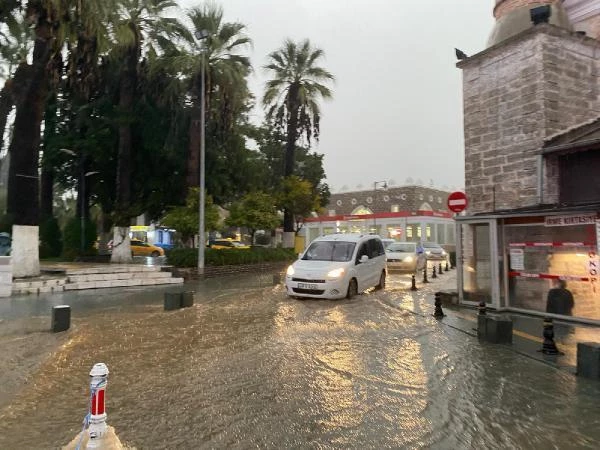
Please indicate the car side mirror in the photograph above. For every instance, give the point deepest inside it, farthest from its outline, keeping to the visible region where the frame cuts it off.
(363, 259)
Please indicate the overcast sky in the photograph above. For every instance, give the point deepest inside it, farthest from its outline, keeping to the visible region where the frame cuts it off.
(397, 106)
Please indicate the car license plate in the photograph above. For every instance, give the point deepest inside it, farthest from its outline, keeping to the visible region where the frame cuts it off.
(307, 286)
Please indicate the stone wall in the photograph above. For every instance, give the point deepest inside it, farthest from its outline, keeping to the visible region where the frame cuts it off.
(406, 198)
(515, 95)
(503, 7)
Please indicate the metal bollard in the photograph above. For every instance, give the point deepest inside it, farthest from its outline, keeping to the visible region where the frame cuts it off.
(61, 318)
(434, 272)
(187, 299)
(413, 286)
(440, 269)
(447, 267)
(549, 346)
(425, 280)
(439, 312)
(481, 308)
(98, 382)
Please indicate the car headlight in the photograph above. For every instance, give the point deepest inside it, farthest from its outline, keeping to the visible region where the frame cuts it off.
(408, 259)
(444, 253)
(428, 252)
(290, 271)
(336, 273)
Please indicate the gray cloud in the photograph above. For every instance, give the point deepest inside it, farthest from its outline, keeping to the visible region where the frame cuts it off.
(397, 107)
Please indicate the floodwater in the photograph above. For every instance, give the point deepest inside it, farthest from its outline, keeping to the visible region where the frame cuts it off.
(248, 367)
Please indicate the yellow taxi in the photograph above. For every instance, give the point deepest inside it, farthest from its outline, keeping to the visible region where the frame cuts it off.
(141, 248)
(221, 244)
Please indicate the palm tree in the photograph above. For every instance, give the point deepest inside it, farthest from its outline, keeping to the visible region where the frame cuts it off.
(14, 47)
(225, 72)
(140, 28)
(292, 99)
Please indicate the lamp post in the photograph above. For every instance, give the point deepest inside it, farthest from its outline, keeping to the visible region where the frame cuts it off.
(383, 183)
(201, 35)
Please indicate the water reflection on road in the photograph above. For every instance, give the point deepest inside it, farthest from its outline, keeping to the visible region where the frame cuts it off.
(247, 367)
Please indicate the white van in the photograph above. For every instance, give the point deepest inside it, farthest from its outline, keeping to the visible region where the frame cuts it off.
(338, 266)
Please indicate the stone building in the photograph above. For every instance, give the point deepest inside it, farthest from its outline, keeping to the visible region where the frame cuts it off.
(404, 213)
(532, 132)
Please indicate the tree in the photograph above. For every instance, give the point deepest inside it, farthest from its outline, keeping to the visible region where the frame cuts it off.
(255, 211)
(141, 28)
(292, 100)
(298, 197)
(185, 219)
(225, 69)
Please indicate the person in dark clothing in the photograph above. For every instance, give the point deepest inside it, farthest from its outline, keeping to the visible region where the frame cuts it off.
(560, 299)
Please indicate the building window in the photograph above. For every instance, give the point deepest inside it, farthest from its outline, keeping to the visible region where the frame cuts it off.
(332, 212)
(439, 199)
(431, 198)
(428, 231)
(395, 208)
(420, 196)
(409, 232)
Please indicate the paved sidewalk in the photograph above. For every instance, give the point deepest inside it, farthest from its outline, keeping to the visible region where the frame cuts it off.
(527, 330)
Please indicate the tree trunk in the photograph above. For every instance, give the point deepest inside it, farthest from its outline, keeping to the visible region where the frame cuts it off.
(23, 180)
(47, 193)
(127, 88)
(6, 104)
(290, 150)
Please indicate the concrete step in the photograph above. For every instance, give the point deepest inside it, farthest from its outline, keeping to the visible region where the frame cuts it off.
(116, 268)
(117, 276)
(38, 284)
(19, 290)
(121, 283)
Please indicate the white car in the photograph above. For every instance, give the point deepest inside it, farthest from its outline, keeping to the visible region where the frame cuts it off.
(338, 266)
(403, 257)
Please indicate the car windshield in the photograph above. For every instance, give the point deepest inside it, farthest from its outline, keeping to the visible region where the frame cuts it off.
(431, 245)
(329, 251)
(403, 248)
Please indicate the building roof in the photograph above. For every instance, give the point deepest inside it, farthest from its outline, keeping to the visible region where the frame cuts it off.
(585, 134)
(539, 210)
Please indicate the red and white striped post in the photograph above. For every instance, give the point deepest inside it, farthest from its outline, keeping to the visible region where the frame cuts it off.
(98, 382)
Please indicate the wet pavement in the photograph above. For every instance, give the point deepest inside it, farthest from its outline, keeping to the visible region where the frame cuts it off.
(248, 367)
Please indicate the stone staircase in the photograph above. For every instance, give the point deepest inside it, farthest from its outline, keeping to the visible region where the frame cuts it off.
(93, 277)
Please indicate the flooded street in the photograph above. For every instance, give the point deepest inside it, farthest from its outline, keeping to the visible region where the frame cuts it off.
(248, 367)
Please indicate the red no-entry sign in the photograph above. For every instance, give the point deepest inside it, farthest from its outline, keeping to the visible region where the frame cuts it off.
(457, 201)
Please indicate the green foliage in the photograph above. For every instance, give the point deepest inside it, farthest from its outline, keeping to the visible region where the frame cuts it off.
(255, 211)
(184, 219)
(72, 238)
(298, 197)
(50, 238)
(188, 257)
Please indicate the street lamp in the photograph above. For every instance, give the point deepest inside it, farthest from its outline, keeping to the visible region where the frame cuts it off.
(201, 35)
(81, 200)
(383, 183)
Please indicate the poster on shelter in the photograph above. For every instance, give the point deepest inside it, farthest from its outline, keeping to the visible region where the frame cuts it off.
(517, 259)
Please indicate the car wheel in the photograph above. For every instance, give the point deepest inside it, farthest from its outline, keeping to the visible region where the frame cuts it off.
(154, 254)
(352, 288)
(381, 284)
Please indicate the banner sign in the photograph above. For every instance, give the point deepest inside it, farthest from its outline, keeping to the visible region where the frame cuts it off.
(568, 221)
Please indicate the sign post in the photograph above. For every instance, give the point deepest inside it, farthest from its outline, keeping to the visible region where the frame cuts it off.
(457, 202)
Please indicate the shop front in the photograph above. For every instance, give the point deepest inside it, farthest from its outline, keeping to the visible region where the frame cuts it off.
(544, 264)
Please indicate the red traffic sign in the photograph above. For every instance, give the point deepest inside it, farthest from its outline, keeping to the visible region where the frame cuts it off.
(457, 201)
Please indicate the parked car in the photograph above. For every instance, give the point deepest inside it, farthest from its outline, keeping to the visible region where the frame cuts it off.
(403, 257)
(434, 251)
(387, 242)
(338, 266)
(141, 248)
(220, 244)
